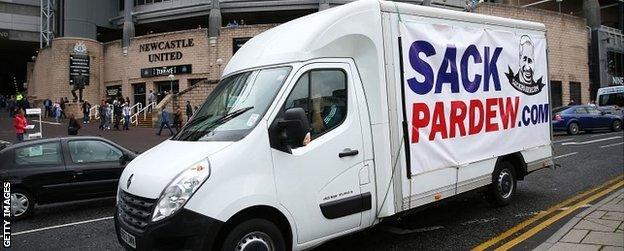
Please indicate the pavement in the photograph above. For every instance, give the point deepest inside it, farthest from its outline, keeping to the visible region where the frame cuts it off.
(136, 139)
(589, 164)
(600, 227)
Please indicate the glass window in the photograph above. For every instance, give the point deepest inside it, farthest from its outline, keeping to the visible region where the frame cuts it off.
(593, 110)
(43, 154)
(235, 107)
(88, 151)
(323, 96)
(580, 110)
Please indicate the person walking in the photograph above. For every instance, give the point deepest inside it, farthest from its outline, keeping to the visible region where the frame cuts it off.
(47, 104)
(57, 111)
(86, 112)
(117, 113)
(102, 112)
(126, 114)
(62, 105)
(128, 101)
(177, 119)
(20, 123)
(164, 121)
(189, 110)
(151, 98)
(73, 126)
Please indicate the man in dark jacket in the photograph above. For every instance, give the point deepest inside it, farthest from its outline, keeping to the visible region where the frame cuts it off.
(189, 110)
(117, 112)
(164, 121)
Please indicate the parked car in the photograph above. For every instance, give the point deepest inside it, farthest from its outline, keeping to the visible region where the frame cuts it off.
(61, 169)
(612, 109)
(576, 118)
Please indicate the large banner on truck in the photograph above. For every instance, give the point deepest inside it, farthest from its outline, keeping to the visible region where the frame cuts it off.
(472, 93)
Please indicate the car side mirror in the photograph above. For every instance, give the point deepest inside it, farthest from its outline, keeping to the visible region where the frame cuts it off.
(294, 127)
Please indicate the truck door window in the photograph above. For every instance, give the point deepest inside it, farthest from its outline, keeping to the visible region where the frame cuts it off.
(323, 96)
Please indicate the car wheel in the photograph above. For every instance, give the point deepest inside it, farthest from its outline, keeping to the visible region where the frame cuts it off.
(22, 204)
(503, 186)
(573, 128)
(254, 234)
(616, 126)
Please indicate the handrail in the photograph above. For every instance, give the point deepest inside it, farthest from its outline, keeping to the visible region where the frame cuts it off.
(94, 111)
(134, 119)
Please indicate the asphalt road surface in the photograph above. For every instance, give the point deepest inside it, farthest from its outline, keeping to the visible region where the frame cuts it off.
(586, 160)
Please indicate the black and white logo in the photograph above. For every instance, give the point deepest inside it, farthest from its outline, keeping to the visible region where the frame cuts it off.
(129, 181)
(524, 80)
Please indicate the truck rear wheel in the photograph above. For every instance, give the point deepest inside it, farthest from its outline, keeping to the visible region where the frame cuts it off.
(254, 234)
(503, 185)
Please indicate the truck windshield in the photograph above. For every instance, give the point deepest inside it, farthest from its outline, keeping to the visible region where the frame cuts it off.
(234, 108)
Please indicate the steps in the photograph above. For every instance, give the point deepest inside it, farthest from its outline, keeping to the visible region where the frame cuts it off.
(145, 122)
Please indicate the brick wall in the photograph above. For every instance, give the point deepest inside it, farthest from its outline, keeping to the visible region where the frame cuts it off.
(567, 44)
(50, 73)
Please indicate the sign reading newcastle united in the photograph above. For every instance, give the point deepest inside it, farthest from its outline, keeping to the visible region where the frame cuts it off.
(166, 45)
(166, 70)
(79, 65)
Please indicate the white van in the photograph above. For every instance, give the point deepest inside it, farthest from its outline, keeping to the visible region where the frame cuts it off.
(611, 95)
(331, 123)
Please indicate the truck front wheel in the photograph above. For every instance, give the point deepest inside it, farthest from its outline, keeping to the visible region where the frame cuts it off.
(254, 234)
(503, 185)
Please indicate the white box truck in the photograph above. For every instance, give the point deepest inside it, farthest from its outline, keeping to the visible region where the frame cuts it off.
(333, 122)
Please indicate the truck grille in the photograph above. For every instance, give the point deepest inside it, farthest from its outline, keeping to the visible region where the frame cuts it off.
(134, 210)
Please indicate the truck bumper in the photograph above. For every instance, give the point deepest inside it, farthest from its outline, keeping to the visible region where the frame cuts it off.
(186, 230)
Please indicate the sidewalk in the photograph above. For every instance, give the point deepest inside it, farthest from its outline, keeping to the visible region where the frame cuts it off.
(136, 139)
(600, 227)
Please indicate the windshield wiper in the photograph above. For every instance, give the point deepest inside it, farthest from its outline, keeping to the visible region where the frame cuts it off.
(225, 118)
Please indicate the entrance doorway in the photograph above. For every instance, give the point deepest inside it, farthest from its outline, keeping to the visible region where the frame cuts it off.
(166, 86)
(139, 93)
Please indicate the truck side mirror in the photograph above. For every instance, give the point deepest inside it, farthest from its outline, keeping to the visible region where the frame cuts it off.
(294, 127)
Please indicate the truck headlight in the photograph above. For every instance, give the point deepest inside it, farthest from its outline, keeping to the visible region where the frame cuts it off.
(180, 190)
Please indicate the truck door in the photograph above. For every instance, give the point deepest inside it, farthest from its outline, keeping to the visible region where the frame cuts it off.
(319, 182)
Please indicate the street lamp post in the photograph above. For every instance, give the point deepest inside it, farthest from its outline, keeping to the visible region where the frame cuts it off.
(171, 77)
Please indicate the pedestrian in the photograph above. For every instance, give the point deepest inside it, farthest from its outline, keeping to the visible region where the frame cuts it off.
(571, 102)
(20, 123)
(73, 126)
(47, 104)
(11, 107)
(177, 119)
(62, 105)
(151, 98)
(164, 121)
(128, 101)
(189, 110)
(57, 112)
(109, 115)
(126, 114)
(117, 113)
(86, 112)
(102, 112)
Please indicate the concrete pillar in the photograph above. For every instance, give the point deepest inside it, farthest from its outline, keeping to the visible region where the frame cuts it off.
(128, 25)
(214, 20)
(323, 5)
(591, 12)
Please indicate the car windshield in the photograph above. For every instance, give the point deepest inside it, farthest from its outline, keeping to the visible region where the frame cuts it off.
(558, 110)
(234, 108)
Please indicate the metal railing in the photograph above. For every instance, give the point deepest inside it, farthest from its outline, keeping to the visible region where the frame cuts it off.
(94, 112)
(134, 118)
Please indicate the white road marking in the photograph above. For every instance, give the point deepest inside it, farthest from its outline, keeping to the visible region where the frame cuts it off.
(590, 141)
(616, 144)
(563, 140)
(60, 226)
(565, 155)
(46, 122)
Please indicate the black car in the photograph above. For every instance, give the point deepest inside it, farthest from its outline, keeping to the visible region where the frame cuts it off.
(61, 169)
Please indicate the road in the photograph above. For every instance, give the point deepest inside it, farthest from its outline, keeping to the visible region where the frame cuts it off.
(586, 160)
